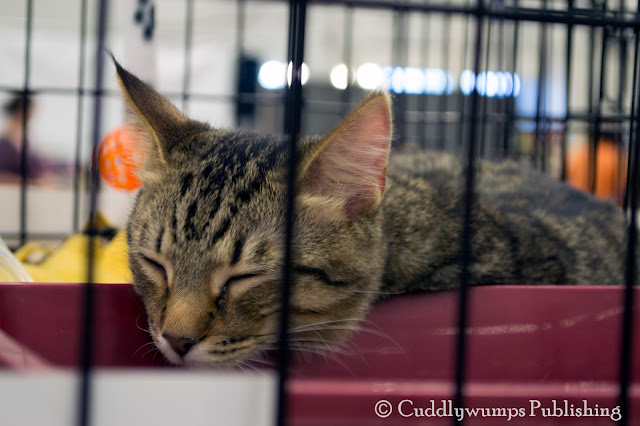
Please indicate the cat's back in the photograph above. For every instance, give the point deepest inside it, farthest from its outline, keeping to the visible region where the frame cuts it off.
(510, 187)
(528, 227)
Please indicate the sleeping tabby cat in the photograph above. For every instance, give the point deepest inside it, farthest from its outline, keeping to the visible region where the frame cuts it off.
(207, 230)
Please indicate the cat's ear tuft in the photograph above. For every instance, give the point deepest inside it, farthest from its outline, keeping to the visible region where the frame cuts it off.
(348, 167)
(159, 125)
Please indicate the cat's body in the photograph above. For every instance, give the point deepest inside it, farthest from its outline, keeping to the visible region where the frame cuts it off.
(528, 228)
(206, 236)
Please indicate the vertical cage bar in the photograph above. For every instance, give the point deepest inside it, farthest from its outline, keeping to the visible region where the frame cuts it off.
(508, 143)
(26, 91)
(592, 148)
(626, 345)
(632, 142)
(443, 100)
(484, 102)
(423, 100)
(297, 17)
(598, 109)
(463, 304)
(86, 354)
(398, 59)
(241, 12)
(545, 145)
(462, 105)
(188, 43)
(623, 52)
(79, 117)
(347, 57)
(567, 96)
(539, 140)
(245, 97)
(501, 109)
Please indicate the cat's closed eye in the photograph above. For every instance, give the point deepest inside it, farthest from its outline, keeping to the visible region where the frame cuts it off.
(238, 278)
(232, 281)
(156, 270)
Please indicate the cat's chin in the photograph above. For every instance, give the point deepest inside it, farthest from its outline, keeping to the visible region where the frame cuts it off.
(200, 359)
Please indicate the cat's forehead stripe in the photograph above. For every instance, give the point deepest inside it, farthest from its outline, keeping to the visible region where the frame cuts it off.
(212, 192)
(189, 228)
(221, 231)
(159, 240)
(241, 197)
(207, 171)
(186, 183)
(217, 181)
(174, 223)
(237, 251)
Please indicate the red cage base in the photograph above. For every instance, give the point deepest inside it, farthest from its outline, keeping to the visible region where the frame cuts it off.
(540, 355)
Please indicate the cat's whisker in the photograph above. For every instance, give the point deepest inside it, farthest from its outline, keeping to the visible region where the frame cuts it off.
(326, 354)
(261, 360)
(308, 340)
(382, 335)
(373, 324)
(356, 320)
(324, 346)
(253, 368)
(317, 344)
(157, 351)
(138, 350)
(140, 328)
(153, 350)
(245, 367)
(357, 329)
(327, 328)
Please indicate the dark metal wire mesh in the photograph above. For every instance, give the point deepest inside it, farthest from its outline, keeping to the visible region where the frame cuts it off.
(471, 124)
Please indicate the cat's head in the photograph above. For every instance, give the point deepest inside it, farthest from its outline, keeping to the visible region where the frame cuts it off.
(206, 235)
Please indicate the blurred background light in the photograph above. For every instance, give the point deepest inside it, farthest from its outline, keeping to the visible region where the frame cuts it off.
(339, 76)
(414, 81)
(271, 75)
(369, 76)
(467, 82)
(304, 73)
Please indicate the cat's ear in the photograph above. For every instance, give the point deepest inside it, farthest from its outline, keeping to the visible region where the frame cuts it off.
(158, 124)
(347, 168)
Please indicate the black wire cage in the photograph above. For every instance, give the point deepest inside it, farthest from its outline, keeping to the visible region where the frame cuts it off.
(532, 81)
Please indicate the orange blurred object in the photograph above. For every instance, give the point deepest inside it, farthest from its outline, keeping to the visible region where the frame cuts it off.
(611, 169)
(118, 160)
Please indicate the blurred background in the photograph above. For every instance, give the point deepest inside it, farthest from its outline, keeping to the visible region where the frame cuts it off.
(555, 96)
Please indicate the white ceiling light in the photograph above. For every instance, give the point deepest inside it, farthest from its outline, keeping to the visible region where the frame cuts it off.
(397, 80)
(369, 76)
(492, 84)
(467, 82)
(516, 84)
(436, 81)
(414, 80)
(339, 76)
(271, 75)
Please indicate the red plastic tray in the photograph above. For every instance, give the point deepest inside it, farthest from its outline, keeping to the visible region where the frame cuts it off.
(546, 344)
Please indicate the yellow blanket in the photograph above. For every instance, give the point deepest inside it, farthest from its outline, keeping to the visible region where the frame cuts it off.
(68, 262)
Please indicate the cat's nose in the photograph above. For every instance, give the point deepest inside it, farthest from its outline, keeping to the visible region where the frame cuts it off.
(180, 345)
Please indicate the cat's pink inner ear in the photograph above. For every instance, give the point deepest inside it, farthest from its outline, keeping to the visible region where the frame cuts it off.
(351, 164)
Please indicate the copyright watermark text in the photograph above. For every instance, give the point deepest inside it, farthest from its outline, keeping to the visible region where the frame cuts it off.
(535, 408)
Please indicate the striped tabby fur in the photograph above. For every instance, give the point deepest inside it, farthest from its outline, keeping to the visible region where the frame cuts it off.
(207, 230)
